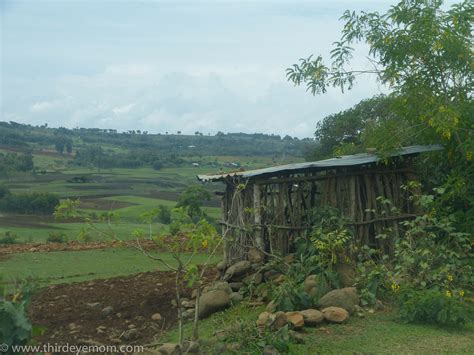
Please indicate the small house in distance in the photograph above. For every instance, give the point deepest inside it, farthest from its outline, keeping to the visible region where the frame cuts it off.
(268, 208)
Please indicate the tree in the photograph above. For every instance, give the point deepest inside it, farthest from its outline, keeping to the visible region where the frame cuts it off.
(192, 200)
(346, 129)
(423, 53)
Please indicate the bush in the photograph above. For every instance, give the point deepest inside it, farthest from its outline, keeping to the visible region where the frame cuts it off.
(56, 237)
(9, 238)
(15, 327)
(433, 306)
(29, 203)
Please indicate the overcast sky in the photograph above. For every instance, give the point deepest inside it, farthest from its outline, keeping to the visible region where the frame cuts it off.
(170, 65)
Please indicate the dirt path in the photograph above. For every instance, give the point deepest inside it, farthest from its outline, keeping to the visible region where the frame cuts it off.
(102, 311)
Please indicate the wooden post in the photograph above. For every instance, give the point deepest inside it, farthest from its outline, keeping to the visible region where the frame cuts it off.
(258, 217)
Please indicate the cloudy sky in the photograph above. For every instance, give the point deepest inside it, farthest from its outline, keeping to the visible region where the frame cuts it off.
(170, 65)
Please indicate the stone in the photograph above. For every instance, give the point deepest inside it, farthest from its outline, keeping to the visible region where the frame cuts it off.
(278, 320)
(257, 267)
(233, 347)
(346, 274)
(312, 317)
(235, 286)
(311, 285)
(255, 279)
(346, 298)
(237, 269)
(236, 297)
(296, 337)
(107, 311)
(335, 314)
(255, 256)
(170, 349)
(189, 313)
(278, 279)
(213, 301)
(263, 319)
(195, 293)
(156, 317)
(130, 334)
(221, 265)
(188, 303)
(296, 319)
(222, 285)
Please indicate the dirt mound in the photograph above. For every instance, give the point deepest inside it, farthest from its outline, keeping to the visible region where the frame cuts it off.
(101, 311)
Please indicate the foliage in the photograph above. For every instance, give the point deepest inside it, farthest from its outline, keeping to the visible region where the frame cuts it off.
(432, 253)
(192, 199)
(29, 203)
(423, 53)
(56, 237)
(344, 132)
(15, 327)
(253, 340)
(12, 163)
(9, 238)
(433, 306)
(330, 236)
(164, 214)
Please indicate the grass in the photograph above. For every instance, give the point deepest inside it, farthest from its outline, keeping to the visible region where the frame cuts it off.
(377, 333)
(75, 266)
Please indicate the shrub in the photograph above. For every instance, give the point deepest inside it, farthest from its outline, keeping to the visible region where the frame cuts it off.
(15, 328)
(9, 238)
(56, 237)
(433, 306)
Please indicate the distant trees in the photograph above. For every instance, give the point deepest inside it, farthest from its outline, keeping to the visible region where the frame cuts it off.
(12, 162)
(192, 199)
(62, 144)
(28, 203)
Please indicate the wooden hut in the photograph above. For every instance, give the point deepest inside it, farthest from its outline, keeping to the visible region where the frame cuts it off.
(268, 208)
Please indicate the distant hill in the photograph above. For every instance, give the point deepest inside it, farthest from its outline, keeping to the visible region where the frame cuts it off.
(110, 148)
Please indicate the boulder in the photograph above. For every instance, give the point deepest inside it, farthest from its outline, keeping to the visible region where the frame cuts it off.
(255, 279)
(221, 265)
(156, 317)
(312, 317)
(263, 319)
(130, 334)
(311, 285)
(346, 298)
(278, 320)
(296, 319)
(213, 301)
(271, 274)
(222, 285)
(107, 311)
(346, 274)
(255, 256)
(236, 297)
(335, 314)
(237, 269)
(257, 267)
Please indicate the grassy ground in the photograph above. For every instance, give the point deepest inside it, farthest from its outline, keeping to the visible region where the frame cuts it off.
(74, 266)
(374, 334)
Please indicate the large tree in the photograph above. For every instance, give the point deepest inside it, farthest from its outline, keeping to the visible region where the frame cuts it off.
(422, 52)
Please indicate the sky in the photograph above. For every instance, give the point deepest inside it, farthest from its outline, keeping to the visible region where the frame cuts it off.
(164, 66)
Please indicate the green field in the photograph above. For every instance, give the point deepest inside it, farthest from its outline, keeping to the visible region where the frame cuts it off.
(75, 266)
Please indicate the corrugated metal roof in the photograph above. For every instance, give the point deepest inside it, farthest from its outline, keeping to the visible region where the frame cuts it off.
(343, 161)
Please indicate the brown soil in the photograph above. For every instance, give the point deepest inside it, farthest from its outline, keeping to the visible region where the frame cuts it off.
(72, 313)
(76, 246)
